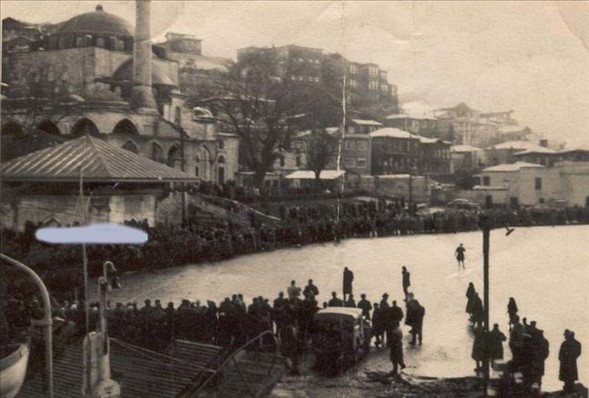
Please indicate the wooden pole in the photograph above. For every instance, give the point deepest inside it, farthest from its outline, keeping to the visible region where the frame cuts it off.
(486, 245)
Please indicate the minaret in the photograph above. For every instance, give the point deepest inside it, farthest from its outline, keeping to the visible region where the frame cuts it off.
(142, 90)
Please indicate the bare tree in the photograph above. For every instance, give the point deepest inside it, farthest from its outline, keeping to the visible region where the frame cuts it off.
(259, 108)
(320, 148)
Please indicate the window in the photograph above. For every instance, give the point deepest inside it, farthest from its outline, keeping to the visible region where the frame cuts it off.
(298, 160)
(486, 180)
(350, 144)
(361, 163)
(538, 184)
(350, 162)
(353, 69)
(220, 143)
(362, 145)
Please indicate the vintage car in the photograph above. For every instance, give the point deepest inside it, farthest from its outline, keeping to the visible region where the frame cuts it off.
(463, 204)
(341, 337)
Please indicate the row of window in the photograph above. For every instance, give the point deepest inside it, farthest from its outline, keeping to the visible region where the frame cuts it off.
(302, 78)
(309, 60)
(360, 145)
(359, 163)
(537, 182)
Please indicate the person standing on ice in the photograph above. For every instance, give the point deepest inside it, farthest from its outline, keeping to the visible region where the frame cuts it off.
(406, 280)
(570, 350)
(459, 253)
(348, 279)
(511, 311)
(396, 349)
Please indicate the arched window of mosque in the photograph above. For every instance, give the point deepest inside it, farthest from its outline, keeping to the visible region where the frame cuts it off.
(174, 157)
(125, 126)
(49, 127)
(100, 42)
(130, 146)
(88, 40)
(84, 126)
(79, 41)
(220, 143)
(178, 116)
(157, 153)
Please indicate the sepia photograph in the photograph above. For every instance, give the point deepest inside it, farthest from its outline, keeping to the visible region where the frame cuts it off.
(294, 199)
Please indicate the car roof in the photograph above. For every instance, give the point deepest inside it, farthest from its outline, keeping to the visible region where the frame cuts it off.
(344, 311)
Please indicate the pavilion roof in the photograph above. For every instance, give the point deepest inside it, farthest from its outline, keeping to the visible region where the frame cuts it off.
(97, 160)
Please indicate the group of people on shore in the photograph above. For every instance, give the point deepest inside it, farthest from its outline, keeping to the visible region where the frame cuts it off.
(529, 348)
(194, 243)
(233, 322)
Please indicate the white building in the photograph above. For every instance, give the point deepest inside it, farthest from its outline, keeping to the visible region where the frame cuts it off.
(528, 184)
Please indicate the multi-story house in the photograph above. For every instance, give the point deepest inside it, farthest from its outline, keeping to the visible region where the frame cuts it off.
(394, 151)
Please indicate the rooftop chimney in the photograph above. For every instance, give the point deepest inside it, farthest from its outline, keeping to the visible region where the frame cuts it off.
(142, 91)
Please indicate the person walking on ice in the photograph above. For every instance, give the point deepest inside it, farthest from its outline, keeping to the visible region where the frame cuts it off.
(459, 253)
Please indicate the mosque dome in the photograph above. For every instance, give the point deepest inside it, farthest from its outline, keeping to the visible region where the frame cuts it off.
(97, 22)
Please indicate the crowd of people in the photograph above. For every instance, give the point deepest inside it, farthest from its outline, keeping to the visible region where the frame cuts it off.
(529, 348)
(232, 322)
(196, 242)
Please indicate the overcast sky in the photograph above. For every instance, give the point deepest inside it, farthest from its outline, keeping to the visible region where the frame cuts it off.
(532, 57)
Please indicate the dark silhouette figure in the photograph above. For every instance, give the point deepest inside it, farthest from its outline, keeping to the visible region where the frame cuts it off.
(541, 352)
(477, 311)
(406, 280)
(495, 342)
(365, 306)
(418, 312)
(335, 301)
(396, 350)
(470, 292)
(459, 253)
(479, 348)
(511, 311)
(348, 279)
(570, 350)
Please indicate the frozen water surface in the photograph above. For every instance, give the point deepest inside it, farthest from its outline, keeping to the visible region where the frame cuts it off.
(546, 269)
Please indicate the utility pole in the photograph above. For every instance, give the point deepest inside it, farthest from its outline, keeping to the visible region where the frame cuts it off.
(486, 227)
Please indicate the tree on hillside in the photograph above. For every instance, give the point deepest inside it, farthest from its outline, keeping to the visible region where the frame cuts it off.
(320, 148)
(259, 108)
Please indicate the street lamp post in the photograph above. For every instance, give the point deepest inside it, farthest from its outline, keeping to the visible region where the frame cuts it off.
(486, 227)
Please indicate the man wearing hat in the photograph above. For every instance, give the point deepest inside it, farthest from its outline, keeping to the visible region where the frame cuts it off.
(570, 350)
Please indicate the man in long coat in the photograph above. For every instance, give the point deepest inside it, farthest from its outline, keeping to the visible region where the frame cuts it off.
(570, 350)
(406, 280)
(348, 279)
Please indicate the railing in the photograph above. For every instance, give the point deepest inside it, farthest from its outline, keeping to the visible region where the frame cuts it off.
(232, 356)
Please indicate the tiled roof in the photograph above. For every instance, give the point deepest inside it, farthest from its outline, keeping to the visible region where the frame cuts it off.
(140, 373)
(364, 122)
(513, 166)
(391, 132)
(540, 150)
(517, 145)
(98, 160)
(464, 149)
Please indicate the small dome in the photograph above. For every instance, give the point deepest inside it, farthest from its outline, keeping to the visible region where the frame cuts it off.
(98, 22)
(159, 74)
